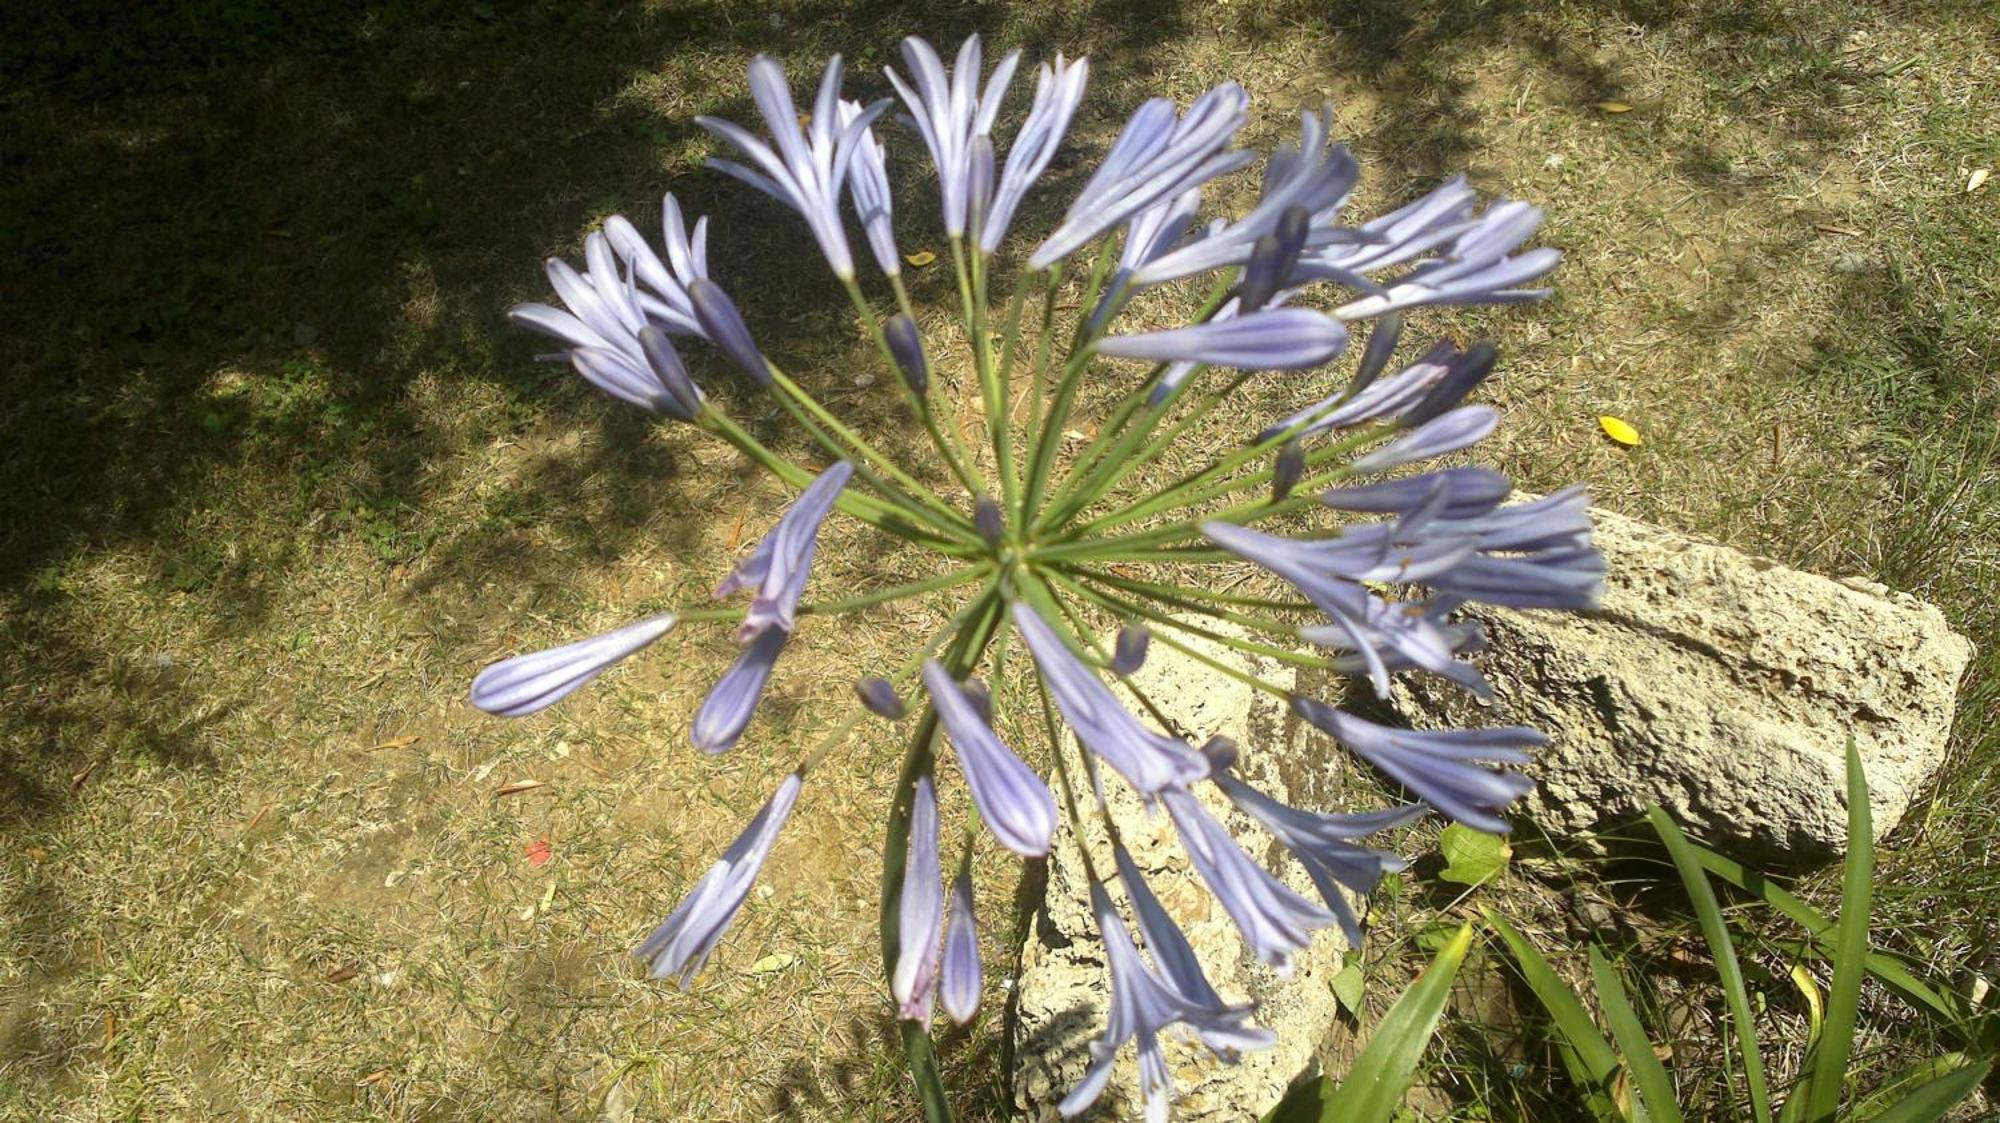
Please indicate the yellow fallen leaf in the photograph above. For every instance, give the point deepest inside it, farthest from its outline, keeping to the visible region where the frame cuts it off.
(1614, 107)
(1977, 179)
(772, 964)
(396, 743)
(1619, 429)
(920, 258)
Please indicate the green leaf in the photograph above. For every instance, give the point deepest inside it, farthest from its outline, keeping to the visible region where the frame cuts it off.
(1382, 1073)
(1827, 1067)
(1656, 1091)
(1591, 1061)
(1729, 973)
(1899, 1087)
(1347, 985)
(1472, 857)
(1930, 1101)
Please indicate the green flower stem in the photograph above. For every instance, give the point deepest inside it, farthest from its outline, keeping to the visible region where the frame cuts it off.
(1205, 485)
(1128, 608)
(952, 452)
(1127, 460)
(793, 397)
(1182, 600)
(1052, 286)
(1097, 469)
(1081, 352)
(867, 508)
(1192, 592)
(970, 641)
(914, 588)
(1009, 342)
(993, 392)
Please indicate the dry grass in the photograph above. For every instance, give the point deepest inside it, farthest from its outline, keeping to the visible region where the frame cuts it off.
(278, 484)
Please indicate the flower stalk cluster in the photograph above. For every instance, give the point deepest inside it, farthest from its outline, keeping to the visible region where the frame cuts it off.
(1065, 548)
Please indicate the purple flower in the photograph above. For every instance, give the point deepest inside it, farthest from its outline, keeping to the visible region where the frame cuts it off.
(723, 326)
(527, 683)
(1172, 953)
(1013, 801)
(1142, 1006)
(1479, 268)
(950, 112)
(1267, 339)
(1462, 427)
(725, 712)
(1323, 845)
(687, 261)
(1156, 157)
(1275, 921)
(868, 189)
(682, 943)
(1471, 492)
(778, 567)
(1058, 91)
(1376, 400)
(808, 167)
(921, 919)
(1313, 176)
(879, 695)
(1394, 238)
(1129, 653)
(1151, 762)
(611, 342)
(1443, 768)
(1384, 636)
(959, 979)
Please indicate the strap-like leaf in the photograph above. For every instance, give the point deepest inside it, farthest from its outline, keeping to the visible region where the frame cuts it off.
(1656, 1090)
(1728, 971)
(1930, 1101)
(1827, 1066)
(1382, 1073)
(1591, 1061)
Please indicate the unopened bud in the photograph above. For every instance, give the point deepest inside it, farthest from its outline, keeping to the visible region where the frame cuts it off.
(907, 348)
(988, 520)
(1221, 753)
(1285, 474)
(724, 327)
(980, 697)
(1129, 654)
(880, 698)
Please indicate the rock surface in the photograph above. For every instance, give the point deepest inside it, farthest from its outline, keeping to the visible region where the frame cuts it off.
(1721, 686)
(1063, 988)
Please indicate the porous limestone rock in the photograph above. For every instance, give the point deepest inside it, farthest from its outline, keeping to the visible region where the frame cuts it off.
(1063, 987)
(1721, 686)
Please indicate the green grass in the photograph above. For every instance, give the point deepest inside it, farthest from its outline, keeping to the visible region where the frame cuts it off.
(278, 480)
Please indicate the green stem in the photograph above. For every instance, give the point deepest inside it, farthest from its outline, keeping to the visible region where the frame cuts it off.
(1064, 397)
(914, 588)
(794, 397)
(1184, 600)
(1249, 647)
(919, 406)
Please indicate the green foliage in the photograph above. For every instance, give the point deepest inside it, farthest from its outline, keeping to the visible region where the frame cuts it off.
(1925, 1092)
(1375, 1083)
(1472, 857)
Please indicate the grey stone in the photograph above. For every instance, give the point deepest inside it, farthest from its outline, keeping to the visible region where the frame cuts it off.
(1063, 988)
(1721, 686)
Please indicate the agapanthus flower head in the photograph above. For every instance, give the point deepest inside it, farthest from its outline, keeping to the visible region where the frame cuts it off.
(1047, 518)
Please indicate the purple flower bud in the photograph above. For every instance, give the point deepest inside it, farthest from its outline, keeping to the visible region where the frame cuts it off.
(906, 346)
(950, 113)
(1470, 491)
(724, 327)
(528, 683)
(782, 561)
(1288, 470)
(921, 918)
(1270, 339)
(1462, 427)
(672, 373)
(960, 981)
(991, 524)
(1465, 373)
(725, 713)
(880, 697)
(682, 943)
(979, 697)
(1129, 653)
(1013, 801)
